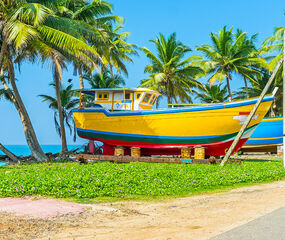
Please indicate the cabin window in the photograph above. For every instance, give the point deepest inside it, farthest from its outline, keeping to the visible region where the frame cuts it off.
(152, 101)
(127, 96)
(146, 98)
(138, 95)
(103, 96)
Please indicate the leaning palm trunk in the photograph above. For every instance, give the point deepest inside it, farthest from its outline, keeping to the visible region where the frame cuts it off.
(82, 87)
(229, 89)
(57, 76)
(8, 153)
(29, 131)
(246, 88)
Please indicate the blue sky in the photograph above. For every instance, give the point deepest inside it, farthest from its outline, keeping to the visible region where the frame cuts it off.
(191, 20)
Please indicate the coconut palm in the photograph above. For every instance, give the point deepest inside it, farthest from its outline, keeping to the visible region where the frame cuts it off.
(257, 87)
(5, 95)
(68, 103)
(31, 29)
(117, 51)
(17, 27)
(171, 72)
(95, 15)
(230, 54)
(213, 93)
(104, 80)
(274, 44)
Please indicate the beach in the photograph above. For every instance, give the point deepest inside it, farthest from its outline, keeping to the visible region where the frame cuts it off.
(194, 217)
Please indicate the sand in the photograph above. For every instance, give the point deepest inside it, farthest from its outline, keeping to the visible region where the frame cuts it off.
(196, 217)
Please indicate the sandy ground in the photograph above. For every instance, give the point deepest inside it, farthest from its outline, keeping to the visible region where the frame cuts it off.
(197, 217)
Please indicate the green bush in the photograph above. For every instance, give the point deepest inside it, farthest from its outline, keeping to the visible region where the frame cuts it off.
(71, 180)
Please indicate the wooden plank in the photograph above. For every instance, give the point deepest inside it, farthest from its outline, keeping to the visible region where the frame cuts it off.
(128, 159)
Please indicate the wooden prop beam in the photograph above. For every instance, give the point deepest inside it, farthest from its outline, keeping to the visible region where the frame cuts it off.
(247, 121)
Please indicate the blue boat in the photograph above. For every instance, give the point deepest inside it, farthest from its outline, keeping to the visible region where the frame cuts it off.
(267, 136)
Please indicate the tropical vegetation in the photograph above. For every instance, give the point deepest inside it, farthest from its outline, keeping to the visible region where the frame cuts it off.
(87, 36)
(231, 53)
(68, 102)
(172, 71)
(104, 79)
(59, 32)
(213, 93)
(274, 44)
(133, 180)
(257, 87)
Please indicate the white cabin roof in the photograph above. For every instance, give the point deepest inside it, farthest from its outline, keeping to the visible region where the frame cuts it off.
(92, 91)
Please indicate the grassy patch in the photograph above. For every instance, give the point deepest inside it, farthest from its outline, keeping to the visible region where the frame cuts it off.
(130, 181)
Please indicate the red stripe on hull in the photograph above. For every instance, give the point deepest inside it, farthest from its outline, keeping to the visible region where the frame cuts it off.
(212, 149)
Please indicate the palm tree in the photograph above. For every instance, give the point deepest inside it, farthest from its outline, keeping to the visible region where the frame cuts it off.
(5, 95)
(68, 103)
(274, 44)
(213, 93)
(117, 51)
(59, 55)
(170, 72)
(231, 53)
(17, 27)
(95, 15)
(31, 29)
(257, 87)
(104, 80)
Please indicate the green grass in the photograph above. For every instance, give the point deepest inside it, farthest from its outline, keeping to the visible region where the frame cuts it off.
(131, 181)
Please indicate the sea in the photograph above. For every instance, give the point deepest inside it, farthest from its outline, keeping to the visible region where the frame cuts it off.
(23, 150)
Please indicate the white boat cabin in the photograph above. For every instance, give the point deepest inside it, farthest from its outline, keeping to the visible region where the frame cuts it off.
(121, 99)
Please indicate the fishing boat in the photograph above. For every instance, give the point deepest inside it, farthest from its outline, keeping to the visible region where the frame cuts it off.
(266, 137)
(124, 117)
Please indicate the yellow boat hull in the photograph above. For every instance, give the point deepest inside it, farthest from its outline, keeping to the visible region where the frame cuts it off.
(212, 126)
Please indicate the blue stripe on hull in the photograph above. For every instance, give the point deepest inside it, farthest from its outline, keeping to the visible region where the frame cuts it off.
(264, 141)
(265, 131)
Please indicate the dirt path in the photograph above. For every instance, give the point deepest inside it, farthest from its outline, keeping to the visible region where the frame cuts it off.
(198, 217)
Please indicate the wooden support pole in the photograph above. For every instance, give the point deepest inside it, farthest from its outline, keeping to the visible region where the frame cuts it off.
(247, 121)
(283, 105)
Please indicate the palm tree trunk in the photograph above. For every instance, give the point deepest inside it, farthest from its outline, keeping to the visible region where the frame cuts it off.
(82, 87)
(29, 131)
(272, 113)
(80, 78)
(8, 153)
(246, 89)
(57, 70)
(229, 89)
(168, 92)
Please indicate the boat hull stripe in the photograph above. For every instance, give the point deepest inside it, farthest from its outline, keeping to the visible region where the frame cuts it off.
(155, 139)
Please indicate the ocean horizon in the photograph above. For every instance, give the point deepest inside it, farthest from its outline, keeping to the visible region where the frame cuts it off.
(24, 150)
